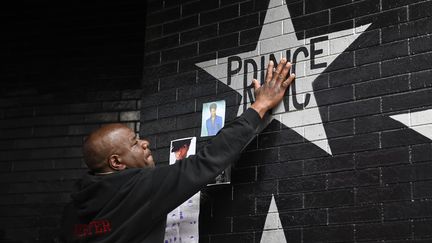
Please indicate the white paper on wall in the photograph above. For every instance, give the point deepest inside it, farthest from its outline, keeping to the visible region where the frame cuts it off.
(182, 222)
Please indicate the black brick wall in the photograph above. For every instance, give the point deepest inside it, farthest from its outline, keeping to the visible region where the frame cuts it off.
(66, 69)
(376, 186)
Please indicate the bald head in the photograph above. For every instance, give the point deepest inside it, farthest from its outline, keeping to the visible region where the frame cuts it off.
(99, 145)
(116, 147)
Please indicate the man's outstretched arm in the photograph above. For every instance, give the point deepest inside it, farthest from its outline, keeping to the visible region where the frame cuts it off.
(174, 184)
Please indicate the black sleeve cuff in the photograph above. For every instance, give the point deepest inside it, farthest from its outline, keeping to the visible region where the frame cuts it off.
(252, 117)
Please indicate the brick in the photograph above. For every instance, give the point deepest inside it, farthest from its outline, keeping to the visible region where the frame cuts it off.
(238, 24)
(187, 65)
(198, 6)
(408, 64)
(388, 4)
(387, 18)
(180, 25)
(188, 92)
(248, 223)
(373, 195)
(354, 109)
(356, 178)
(355, 75)
(382, 87)
(343, 61)
(420, 10)
(218, 43)
(422, 190)
(315, 6)
(332, 27)
(246, 8)
(422, 152)
(260, 188)
(407, 210)
(355, 143)
(179, 53)
(382, 157)
(219, 15)
(199, 34)
(401, 137)
(420, 44)
(101, 117)
(279, 171)
(343, 233)
(339, 128)
(335, 95)
(163, 16)
(152, 59)
(130, 116)
(301, 151)
(187, 78)
(357, 9)
(329, 198)
(158, 126)
(119, 105)
(303, 184)
(165, 42)
(421, 79)
(396, 174)
(422, 228)
(386, 230)
(283, 137)
(354, 214)
(284, 202)
(47, 142)
(311, 21)
(375, 123)
(308, 217)
(328, 164)
(250, 36)
(382, 52)
(406, 30)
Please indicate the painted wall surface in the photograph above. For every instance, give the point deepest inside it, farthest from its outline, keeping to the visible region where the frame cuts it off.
(348, 155)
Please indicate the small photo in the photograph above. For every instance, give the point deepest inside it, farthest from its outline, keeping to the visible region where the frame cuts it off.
(223, 178)
(182, 148)
(213, 118)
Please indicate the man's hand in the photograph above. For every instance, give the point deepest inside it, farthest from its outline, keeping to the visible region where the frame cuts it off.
(272, 91)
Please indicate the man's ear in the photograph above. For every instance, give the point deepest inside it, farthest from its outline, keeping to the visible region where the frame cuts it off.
(115, 163)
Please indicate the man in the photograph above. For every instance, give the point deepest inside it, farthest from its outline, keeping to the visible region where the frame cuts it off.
(214, 122)
(180, 148)
(125, 198)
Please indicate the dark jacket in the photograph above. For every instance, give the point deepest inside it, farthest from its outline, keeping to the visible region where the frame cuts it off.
(132, 205)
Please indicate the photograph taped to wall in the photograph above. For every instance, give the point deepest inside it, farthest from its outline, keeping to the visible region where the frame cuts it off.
(222, 178)
(182, 222)
(182, 148)
(213, 118)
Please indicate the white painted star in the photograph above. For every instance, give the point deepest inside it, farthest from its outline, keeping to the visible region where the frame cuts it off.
(277, 36)
(419, 121)
(273, 231)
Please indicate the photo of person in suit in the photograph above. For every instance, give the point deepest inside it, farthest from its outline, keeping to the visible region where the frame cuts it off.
(213, 118)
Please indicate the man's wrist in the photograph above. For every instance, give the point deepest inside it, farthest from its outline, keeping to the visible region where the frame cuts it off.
(259, 108)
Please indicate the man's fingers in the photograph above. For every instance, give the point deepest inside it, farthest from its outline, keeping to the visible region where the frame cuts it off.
(256, 84)
(278, 72)
(287, 82)
(282, 76)
(269, 75)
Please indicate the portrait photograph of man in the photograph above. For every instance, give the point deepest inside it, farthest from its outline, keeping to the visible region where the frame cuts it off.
(213, 118)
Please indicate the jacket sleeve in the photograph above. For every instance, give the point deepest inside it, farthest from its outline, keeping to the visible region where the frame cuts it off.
(172, 185)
